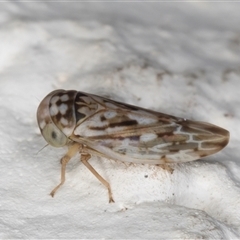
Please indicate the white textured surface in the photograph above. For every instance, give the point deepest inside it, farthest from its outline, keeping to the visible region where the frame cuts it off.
(178, 58)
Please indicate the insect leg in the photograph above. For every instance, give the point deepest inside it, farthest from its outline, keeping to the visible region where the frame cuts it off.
(72, 151)
(84, 158)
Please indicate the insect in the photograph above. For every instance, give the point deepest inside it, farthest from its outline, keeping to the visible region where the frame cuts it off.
(97, 126)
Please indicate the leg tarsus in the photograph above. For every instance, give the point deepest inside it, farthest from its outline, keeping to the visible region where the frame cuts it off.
(72, 151)
(64, 162)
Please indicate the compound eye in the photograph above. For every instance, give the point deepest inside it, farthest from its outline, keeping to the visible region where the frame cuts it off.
(54, 136)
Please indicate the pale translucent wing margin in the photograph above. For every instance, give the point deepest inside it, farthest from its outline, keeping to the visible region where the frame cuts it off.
(128, 133)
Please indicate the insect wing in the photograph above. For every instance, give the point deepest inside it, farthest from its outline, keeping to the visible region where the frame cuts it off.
(128, 133)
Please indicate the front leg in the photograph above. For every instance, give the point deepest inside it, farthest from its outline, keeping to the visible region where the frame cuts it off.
(72, 151)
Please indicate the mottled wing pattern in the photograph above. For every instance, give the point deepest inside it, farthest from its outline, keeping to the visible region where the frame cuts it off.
(128, 133)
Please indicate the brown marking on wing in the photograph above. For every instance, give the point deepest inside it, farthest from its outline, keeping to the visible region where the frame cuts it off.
(102, 118)
(123, 124)
(98, 128)
(79, 115)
